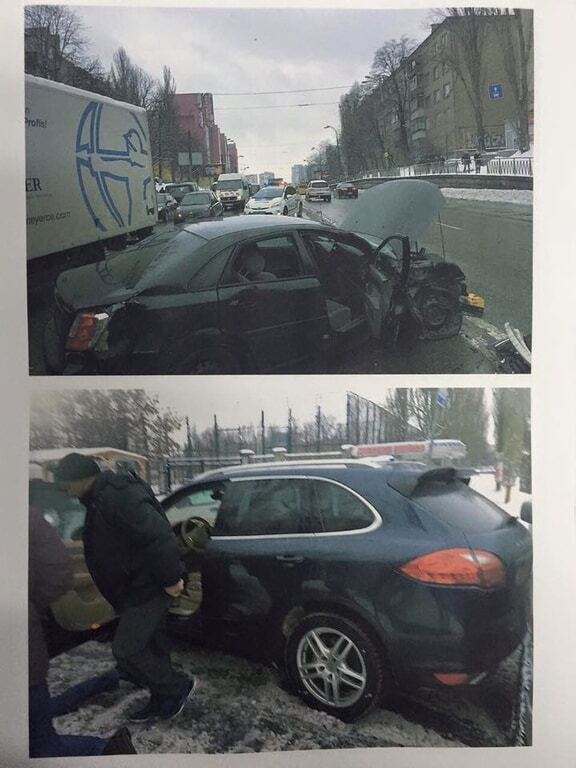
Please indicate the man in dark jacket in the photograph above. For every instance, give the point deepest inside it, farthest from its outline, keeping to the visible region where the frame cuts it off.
(49, 577)
(133, 557)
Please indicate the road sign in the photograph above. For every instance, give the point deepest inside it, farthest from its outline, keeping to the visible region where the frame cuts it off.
(495, 91)
(442, 398)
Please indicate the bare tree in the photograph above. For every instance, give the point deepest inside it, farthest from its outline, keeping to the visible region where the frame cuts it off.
(57, 47)
(129, 82)
(515, 32)
(164, 130)
(390, 70)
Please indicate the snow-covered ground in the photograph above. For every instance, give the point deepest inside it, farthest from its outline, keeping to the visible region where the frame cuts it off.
(518, 196)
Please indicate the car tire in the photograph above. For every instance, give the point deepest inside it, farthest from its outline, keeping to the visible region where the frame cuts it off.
(300, 210)
(212, 361)
(358, 678)
(285, 211)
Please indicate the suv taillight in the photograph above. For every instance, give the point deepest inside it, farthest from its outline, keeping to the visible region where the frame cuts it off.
(458, 567)
(86, 331)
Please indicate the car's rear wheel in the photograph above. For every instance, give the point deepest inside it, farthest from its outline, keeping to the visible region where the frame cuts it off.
(285, 211)
(300, 210)
(212, 361)
(335, 666)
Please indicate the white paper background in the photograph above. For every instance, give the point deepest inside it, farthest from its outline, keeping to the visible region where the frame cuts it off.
(553, 387)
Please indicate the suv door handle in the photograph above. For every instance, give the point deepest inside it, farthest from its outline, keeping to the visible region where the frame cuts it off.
(290, 559)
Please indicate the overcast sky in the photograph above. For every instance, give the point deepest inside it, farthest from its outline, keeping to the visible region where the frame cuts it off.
(231, 50)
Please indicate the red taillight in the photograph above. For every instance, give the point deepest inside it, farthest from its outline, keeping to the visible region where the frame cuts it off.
(86, 330)
(458, 567)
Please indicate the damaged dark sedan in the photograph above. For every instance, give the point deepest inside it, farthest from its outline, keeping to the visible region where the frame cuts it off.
(260, 295)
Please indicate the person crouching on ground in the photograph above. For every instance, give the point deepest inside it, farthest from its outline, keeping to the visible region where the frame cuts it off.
(132, 555)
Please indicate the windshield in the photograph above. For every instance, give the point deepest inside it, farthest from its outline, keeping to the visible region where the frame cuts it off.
(179, 190)
(229, 184)
(196, 198)
(456, 505)
(172, 265)
(268, 193)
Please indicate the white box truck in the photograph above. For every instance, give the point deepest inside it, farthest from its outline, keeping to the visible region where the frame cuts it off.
(89, 179)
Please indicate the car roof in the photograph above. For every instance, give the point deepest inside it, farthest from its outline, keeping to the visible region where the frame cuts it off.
(210, 230)
(300, 467)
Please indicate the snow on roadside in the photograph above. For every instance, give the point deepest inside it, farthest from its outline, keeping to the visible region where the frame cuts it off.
(240, 706)
(517, 196)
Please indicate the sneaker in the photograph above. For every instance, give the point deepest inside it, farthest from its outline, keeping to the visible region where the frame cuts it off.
(148, 712)
(172, 707)
(120, 743)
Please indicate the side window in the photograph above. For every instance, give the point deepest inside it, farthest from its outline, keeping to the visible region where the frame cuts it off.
(209, 274)
(261, 261)
(265, 507)
(339, 509)
(201, 502)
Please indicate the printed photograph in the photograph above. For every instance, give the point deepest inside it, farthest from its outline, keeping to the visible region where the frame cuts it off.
(337, 569)
(236, 191)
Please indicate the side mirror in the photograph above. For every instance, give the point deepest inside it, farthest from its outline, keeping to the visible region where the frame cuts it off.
(526, 512)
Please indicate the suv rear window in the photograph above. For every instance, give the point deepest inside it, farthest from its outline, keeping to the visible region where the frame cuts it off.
(457, 505)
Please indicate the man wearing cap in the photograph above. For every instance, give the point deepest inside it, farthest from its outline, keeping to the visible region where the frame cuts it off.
(132, 555)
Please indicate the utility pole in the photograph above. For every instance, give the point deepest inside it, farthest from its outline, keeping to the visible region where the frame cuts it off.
(318, 428)
(188, 439)
(263, 432)
(289, 433)
(216, 437)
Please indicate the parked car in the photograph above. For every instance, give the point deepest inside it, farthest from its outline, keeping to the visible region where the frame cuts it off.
(318, 189)
(359, 579)
(259, 293)
(346, 189)
(166, 206)
(282, 201)
(178, 190)
(198, 205)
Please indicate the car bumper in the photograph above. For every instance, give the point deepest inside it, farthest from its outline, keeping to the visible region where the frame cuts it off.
(441, 631)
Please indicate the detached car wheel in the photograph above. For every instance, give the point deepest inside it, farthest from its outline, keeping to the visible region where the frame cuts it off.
(334, 666)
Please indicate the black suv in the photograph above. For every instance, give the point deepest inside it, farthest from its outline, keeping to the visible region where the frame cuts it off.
(361, 577)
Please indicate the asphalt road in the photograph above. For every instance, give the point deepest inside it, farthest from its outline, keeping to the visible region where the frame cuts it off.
(491, 242)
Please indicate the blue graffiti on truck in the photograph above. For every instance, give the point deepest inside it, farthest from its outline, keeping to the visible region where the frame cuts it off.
(112, 162)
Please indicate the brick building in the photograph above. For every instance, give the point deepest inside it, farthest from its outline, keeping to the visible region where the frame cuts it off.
(195, 113)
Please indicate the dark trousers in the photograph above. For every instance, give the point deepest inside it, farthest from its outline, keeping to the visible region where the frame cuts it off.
(142, 650)
(44, 741)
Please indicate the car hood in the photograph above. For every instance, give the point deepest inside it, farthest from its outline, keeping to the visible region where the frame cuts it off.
(403, 207)
(263, 203)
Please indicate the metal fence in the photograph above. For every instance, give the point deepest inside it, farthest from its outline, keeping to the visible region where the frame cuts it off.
(503, 166)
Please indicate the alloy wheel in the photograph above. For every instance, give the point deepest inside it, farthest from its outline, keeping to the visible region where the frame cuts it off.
(331, 667)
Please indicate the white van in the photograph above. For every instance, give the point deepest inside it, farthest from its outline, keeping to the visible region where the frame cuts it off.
(232, 190)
